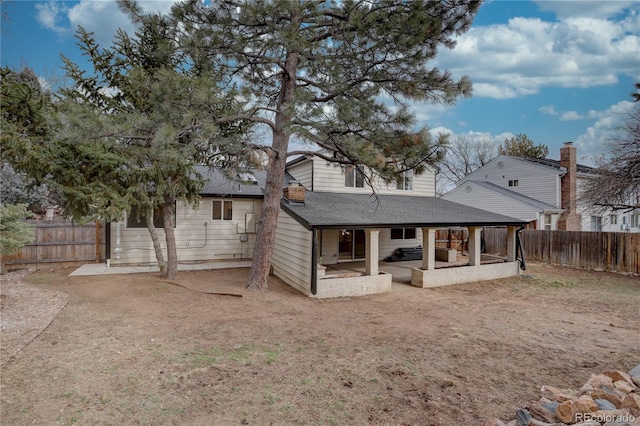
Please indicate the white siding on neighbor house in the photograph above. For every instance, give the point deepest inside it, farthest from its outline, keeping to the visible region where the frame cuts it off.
(218, 240)
(329, 177)
(486, 199)
(291, 259)
(303, 173)
(534, 180)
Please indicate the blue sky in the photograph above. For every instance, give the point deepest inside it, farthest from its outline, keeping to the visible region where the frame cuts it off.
(555, 70)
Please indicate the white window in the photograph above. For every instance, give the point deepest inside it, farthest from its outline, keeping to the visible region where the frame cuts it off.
(354, 177)
(547, 222)
(596, 223)
(513, 182)
(635, 220)
(222, 210)
(406, 184)
(614, 219)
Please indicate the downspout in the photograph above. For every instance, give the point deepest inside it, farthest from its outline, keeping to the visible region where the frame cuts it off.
(107, 242)
(520, 259)
(314, 262)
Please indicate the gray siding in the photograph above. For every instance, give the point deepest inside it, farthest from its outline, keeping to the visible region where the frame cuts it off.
(291, 259)
(534, 180)
(303, 173)
(485, 199)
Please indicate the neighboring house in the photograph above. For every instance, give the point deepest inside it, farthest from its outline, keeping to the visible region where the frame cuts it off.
(328, 216)
(543, 192)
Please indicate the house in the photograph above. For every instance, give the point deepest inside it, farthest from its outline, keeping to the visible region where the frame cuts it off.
(328, 216)
(541, 191)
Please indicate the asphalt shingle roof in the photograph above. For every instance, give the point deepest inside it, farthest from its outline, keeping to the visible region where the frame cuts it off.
(556, 164)
(335, 210)
(220, 184)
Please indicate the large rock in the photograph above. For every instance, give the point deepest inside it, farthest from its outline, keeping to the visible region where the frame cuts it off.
(523, 417)
(620, 375)
(632, 402)
(612, 397)
(567, 411)
(603, 404)
(545, 410)
(598, 381)
(635, 374)
(624, 386)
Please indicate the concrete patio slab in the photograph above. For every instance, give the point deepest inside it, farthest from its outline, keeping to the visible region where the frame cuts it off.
(102, 269)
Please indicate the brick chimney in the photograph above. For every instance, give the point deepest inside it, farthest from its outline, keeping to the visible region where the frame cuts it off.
(294, 193)
(570, 219)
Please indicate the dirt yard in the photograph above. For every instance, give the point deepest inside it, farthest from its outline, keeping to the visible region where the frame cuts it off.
(134, 350)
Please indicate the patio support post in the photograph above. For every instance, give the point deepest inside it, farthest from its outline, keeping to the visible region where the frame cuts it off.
(372, 251)
(511, 243)
(474, 245)
(429, 249)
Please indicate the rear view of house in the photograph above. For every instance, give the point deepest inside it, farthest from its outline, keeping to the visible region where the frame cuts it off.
(328, 216)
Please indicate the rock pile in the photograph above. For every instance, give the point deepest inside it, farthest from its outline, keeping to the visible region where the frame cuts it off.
(608, 399)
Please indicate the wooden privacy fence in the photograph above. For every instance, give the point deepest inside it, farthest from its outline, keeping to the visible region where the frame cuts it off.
(60, 243)
(607, 251)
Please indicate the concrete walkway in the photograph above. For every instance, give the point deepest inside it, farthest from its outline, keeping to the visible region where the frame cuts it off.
(102, 269)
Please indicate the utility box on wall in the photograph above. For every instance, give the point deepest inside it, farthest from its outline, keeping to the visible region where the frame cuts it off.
(250, 223)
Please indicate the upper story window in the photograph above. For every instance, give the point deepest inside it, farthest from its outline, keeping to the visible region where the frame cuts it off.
(513, 182)
(406, 184)
(614, 219)
(635, 220)
(137, 220)
(354, 177)
(596, 223)
(547, 222)
(222, 210)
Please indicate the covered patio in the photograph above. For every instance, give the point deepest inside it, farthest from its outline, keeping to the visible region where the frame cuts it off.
(334, 212)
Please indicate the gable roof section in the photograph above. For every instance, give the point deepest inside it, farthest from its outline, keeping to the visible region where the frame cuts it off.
(541, 206)
(334, 210)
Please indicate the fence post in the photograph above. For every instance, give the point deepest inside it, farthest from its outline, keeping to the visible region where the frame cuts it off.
(98, 240)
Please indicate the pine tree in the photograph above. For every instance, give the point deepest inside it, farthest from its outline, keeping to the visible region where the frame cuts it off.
(15, 233)
(337, 75)
(130, 133)
(521, 146)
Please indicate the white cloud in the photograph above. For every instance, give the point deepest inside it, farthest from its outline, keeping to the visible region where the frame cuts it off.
(607, 128)
(472, 135)
(589, 8)
(103, 18)
(527, 54)
(50, 14)
(571, 116)
(548, 109)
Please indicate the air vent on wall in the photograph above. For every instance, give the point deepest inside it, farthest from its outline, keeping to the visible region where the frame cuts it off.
(501, 164)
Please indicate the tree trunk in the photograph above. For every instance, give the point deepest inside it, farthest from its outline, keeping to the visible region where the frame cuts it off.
(156, 243)
(266, 237)
(172, 252)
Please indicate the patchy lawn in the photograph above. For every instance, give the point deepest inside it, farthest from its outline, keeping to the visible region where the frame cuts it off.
(132, 349)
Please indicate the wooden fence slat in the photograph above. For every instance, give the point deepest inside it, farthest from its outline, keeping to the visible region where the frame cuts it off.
(608, 251)
(61, 242)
